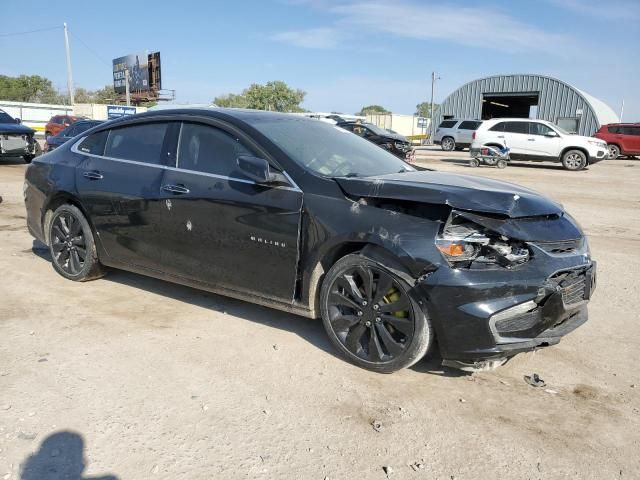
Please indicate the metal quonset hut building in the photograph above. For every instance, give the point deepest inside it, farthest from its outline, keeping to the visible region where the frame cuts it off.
(527, 96)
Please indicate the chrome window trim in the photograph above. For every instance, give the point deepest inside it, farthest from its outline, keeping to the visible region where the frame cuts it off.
(293, 188)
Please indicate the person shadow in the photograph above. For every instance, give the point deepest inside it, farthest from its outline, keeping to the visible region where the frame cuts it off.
(60, 457)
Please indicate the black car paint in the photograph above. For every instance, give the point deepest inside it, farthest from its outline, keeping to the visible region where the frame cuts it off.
(290, 235)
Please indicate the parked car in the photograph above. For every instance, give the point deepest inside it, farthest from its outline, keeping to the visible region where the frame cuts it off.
(392, 142)
(539, 140)
(17, 140)
(299, 215)
(57, 123)
(71, 131)
(455, 134)
(621, 138)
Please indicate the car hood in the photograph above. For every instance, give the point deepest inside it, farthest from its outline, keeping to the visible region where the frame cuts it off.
(463, 192)
(13, 128)
(396, 136)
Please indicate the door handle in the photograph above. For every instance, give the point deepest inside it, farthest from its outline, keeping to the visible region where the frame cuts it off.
(500, 136)
(175, 189)
(531, 139)
(93, 175)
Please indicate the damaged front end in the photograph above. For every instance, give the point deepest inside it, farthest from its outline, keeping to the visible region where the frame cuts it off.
(515, 284)
(17, 144)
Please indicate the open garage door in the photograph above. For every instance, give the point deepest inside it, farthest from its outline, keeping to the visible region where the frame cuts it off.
(512, 105)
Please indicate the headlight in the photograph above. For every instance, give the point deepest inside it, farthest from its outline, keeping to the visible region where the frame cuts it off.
(598, 143)
(463, 243)
(400, 146)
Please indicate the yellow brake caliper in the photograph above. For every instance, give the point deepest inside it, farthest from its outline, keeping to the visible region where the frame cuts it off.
(393, 296)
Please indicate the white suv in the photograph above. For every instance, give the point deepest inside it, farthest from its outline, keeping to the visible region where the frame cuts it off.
(539, 140)
(455, 134)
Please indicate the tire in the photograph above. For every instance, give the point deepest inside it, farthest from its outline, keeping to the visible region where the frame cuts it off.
(614, 151)
(448, 144)
(574, 160)
(501, 164)
(69, 236)
(356, 301)
(28, 158)
(459, 149)
(474, 162)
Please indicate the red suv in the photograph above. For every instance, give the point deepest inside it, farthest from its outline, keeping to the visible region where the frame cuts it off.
(621, 138)
(57, 123)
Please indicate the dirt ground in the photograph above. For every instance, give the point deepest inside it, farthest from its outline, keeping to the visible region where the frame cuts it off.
(137, 378)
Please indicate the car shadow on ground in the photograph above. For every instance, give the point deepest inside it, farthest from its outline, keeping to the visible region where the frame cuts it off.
(464, 162)
(310, 330)
(60, 456)
(12, 161)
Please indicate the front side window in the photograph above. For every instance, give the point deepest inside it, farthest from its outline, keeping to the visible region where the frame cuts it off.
(539, 129)
(207, 149)
(142, 143)
(517, 127)
(447, 124)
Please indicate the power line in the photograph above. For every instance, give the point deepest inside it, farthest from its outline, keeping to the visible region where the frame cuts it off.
(29, 31)
(97, 55)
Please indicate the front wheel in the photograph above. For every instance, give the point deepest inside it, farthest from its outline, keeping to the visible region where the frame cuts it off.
(501, 164)
(474, 162)
(574, 160)
(448, 144)
(370, 317)
(72, 247)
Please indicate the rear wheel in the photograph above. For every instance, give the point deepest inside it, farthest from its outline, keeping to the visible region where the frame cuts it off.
(614, 151)
(474, 162)
(574, 160)
(370, 317)
(448, 144)
(72, 247)
(501, 164)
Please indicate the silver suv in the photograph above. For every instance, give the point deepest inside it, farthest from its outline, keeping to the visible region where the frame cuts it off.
(455, 134)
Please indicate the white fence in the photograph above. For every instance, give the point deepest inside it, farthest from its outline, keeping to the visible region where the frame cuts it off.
(36, 115)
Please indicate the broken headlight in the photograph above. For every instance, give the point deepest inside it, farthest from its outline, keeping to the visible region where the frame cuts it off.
(466, 244)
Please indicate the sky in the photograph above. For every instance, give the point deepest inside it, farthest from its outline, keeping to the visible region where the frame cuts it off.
(344, 54)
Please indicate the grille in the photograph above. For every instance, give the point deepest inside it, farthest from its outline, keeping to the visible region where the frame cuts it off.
(517, 324)
(573, 289)
(563, 246)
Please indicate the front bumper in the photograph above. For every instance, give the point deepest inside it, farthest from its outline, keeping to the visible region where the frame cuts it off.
(481, 315)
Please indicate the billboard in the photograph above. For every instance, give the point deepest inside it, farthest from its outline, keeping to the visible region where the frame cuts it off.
(117, 111)
(138, 66)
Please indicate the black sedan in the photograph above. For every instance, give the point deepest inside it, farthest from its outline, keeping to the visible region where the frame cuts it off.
(390, 141)
(300, 215)
(81, 126)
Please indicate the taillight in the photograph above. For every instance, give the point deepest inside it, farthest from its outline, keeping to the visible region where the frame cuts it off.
(473, 135)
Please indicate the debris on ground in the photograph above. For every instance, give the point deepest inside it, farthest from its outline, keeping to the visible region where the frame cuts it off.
(275, 347)
(534, 380)
(462, 400)
(416, 466)
(552, 392)
(387, 470)
(377, 425)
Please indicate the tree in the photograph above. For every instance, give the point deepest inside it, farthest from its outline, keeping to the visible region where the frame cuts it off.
(372, 110)
(276, 96)
(29, 88)
(424, 109)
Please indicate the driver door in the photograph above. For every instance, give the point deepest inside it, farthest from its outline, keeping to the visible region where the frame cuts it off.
(223, 228)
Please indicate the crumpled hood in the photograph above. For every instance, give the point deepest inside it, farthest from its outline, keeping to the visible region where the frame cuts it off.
(396, 136)
(16, 128)
(464, 192)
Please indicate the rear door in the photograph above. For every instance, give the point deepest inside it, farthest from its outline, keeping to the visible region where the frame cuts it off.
(119, 183)
(465, 131)
(631, 139)
(516, 137)
(223, 228)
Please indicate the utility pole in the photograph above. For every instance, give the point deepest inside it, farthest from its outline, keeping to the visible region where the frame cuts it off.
(622, 110)
(433, 82)
(126, 86)
(69, 75)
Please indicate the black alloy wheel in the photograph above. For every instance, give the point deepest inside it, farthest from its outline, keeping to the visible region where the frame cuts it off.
(370, 317)
(72, 246)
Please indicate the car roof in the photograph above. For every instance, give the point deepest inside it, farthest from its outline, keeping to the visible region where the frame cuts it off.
(244, 114)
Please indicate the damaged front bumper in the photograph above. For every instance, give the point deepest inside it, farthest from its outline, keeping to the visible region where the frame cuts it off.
(485, 316)
(17, 144)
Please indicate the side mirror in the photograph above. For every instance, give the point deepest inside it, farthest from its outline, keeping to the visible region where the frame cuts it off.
(551, 134)
(18, 120)
(258, 169)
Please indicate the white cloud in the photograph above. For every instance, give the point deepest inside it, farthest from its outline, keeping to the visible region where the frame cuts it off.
(609, 10)
(474, 27)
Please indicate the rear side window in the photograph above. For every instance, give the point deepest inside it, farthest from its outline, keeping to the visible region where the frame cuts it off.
(635, 131)
(207, 149)
(469, 125)
(517, 127)
(142, 143)
(630, 130)
(94, 144)
(448, 124)
(498, 127)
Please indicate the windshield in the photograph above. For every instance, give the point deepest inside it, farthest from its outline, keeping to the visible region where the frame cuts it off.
(375, 129)
(327, 149)
(6, 118)
(561, 130)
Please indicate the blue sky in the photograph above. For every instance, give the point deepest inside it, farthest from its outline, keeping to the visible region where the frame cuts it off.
(344, 54)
